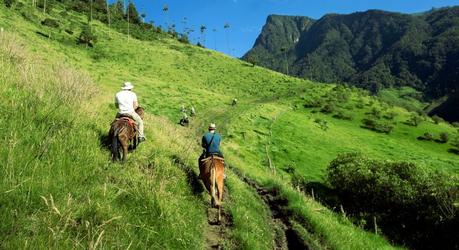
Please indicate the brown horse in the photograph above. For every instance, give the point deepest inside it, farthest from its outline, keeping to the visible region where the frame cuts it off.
(212, 173)
(124, 133)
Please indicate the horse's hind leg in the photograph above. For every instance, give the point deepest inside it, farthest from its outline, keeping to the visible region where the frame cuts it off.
(125, 150)
(213, 187)
(220, 188)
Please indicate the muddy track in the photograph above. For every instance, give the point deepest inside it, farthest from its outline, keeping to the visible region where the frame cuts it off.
(215, 233)
(286, 236)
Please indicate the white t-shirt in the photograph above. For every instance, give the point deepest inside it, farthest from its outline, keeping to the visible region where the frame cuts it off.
(125, 100)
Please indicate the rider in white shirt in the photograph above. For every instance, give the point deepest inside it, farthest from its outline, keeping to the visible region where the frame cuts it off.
(126, 100)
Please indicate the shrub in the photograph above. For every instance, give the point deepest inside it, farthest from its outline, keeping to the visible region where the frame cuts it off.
(50, 23)
(328, 108)
(455, 124)
(313, 103)
(376, 113)
(413, 205)
(343, 115)
(49, 5)
(455, 142)
(437, 119)
(390, 115)
(252, 59)
(29, 16)
(427, 136)
(9, 3)
(183, 39)
(414, 120)
(158, 29)
(444, 137)
(87, 37)
(322, 124)
(376, 126)
(359, 105)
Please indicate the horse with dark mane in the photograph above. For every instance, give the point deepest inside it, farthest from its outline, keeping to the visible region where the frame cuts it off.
(212, 171)
(124, 133)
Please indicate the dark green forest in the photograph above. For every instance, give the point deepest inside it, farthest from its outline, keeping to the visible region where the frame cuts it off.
(373, 50)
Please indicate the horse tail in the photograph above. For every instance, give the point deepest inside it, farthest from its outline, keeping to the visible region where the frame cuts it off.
(213, 182)
(115, 145)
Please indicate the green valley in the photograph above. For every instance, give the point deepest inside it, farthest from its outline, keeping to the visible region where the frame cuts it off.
(59, 188)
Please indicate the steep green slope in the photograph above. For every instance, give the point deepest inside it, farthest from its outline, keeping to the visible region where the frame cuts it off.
(372, 49)
(159, 182)
(60, 189)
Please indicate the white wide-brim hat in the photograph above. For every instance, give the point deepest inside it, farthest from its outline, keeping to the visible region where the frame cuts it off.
(212, 126)
(127, 86)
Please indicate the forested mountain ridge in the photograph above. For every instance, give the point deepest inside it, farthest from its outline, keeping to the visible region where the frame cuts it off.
(339, 169)
(373, 49)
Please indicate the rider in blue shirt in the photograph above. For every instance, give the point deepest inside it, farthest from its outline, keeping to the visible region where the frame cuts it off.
(211, 142)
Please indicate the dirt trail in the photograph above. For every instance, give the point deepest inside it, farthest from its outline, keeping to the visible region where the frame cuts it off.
(215, 233)
(286, 236)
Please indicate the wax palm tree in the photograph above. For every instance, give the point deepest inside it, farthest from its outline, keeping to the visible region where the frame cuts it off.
(215, 38)
(90, 6)
(166, 11)
(108, 16)
(284, 51)
(226, 27)
(203, 38)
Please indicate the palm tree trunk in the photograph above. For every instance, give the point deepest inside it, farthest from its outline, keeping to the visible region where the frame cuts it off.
(91, 9)
(286, 62)
(227, 42)
(127, 15)
(108, 15)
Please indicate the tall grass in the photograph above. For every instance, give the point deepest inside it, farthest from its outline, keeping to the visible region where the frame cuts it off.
(58, 188)
(153, 200)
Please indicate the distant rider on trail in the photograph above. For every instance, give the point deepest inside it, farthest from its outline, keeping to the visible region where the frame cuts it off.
(127, 103)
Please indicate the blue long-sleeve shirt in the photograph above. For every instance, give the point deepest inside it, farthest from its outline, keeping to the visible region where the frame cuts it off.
(214, 147)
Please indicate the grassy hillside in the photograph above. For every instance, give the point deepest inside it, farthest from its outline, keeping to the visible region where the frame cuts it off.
(61, 190)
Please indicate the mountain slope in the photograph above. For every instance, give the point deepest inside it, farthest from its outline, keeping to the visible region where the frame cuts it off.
(372, 49)
(156, 193)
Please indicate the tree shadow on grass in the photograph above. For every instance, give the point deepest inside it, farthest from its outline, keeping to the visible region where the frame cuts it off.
(192, 177)
(322, 193)
(454, 150)
(43, 34)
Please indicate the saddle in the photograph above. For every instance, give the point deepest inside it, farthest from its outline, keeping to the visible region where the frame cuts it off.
(127, 118)
(215, 157)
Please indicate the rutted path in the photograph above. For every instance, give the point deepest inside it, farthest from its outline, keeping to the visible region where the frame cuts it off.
(215, 233)
(286, 236)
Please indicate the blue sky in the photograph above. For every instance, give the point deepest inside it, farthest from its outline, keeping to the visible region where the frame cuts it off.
(247, 17)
